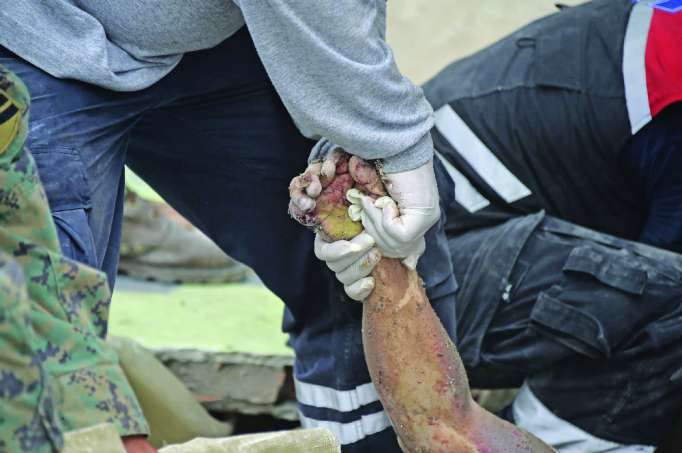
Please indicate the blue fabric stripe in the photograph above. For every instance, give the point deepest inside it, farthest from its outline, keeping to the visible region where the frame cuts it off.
(320, 413)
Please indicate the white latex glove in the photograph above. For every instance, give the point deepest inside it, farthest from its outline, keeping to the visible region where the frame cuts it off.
(398, 223)
(352, 262)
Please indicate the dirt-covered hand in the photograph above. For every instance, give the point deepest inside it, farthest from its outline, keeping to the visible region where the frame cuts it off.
(349, 252)
(306, 187)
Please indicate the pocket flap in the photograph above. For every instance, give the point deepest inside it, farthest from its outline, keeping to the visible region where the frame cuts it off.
(608, 268)
(64, 177)
(569, 326)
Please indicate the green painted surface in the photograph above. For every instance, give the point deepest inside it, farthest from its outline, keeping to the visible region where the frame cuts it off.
(141, 188)
(222, 318)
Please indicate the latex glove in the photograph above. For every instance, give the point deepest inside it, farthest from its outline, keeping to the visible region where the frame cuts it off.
(398, 223)
(352, 262)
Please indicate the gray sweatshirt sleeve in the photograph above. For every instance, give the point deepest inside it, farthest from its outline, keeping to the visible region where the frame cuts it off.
(330, 64)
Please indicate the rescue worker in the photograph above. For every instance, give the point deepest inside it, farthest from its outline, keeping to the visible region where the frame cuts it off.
(563, 129)
(204, 101)
(576, 114)
(582, 122)
(56, 372)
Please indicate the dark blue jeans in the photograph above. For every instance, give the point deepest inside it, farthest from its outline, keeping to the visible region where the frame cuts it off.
(215, 141)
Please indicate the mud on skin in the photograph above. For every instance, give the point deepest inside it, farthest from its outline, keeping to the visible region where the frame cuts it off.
(330, 215)
(415, 367)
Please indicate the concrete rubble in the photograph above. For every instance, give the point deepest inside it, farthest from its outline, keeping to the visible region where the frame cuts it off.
(298, 441)
(236, 382)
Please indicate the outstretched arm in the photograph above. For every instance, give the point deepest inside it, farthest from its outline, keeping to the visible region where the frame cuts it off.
(420, 377)
(414, 366)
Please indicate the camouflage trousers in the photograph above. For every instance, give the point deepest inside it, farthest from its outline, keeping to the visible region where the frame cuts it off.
(56, 372)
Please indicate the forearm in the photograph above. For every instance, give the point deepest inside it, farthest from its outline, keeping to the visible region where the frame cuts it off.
(414, 366)
(420, 377)
(332, 68)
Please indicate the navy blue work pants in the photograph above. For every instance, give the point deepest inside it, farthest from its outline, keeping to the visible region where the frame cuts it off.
(592, 323)
(215, 141)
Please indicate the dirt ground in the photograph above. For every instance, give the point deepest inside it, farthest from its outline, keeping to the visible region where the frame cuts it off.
(426, 35)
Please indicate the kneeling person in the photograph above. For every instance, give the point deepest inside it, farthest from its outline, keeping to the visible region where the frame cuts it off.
(58, 374)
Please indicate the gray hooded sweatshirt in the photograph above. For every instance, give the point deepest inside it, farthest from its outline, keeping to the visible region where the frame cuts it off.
(328, 60)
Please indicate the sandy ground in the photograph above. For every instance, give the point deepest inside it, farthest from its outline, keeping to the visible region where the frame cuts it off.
(426, 35)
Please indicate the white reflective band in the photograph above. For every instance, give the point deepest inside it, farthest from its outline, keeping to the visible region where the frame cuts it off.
(351, 432)
(533, 416)
(465, 194)
(330, 398)
(634, 66)
(481, 159)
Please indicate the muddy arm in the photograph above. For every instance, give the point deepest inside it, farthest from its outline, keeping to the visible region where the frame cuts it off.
(415, 367)
(420, 378)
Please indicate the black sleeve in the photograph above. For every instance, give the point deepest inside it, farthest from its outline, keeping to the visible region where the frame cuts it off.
(654, 156)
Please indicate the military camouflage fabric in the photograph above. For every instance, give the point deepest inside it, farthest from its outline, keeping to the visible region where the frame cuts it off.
(56, 372)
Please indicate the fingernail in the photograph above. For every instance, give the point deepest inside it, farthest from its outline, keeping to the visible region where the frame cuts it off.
(328, 168)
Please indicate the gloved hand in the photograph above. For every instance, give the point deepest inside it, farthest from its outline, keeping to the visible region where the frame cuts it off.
(398, 223)
(399, 233)
(352, 262)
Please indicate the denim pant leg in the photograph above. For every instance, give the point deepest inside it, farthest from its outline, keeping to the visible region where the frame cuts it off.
(77, 137)
(224, 158)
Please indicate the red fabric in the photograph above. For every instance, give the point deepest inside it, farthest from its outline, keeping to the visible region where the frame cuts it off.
(664, 60)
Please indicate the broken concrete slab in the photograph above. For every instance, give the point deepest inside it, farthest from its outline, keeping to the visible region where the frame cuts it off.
(235, 382)
(214, 376)
(317, 440)
(217, 318)
(224, 342)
